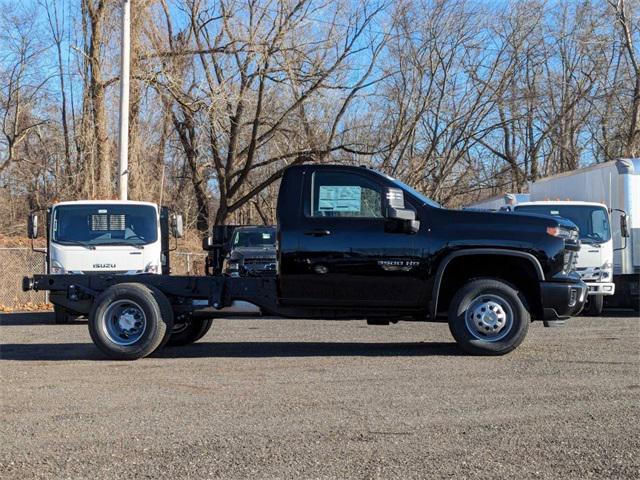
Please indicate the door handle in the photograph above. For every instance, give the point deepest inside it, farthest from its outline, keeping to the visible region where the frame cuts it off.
(318, 233)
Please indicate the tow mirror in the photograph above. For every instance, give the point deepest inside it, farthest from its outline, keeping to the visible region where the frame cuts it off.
(397, 211)
(176, 226)
(32, 226)
(207, 243)
(624, 227)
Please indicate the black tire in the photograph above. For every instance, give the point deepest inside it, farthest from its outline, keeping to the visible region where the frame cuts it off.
(60, 315)
(514, 317)
(189, 332)
(595, 305)
(153, 306)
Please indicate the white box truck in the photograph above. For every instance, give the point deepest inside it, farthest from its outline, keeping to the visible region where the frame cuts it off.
(595, 258)
(615, 184)
(105, 236)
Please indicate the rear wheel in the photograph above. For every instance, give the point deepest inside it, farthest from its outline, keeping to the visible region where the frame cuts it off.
(130, 321)
(189, 332)
(595, 304)
(488, 317)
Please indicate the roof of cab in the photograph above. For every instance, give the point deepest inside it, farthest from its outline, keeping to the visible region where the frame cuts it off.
(105, 202)
(560, 203)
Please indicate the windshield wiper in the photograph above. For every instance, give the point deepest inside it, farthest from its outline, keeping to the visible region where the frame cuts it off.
(78, 242)
(127, 244)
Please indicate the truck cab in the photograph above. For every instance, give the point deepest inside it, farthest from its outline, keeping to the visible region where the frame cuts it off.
(104, 236)
(595, 257)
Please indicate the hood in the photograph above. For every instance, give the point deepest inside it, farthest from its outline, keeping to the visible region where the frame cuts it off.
(558, 221)
(504, 229)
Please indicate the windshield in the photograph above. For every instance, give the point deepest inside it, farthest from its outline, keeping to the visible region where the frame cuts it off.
(415, 193)
(103, 224)
(592, 221)
(263, 237)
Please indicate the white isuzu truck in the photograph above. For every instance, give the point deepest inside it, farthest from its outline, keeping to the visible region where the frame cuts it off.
(609, 259)
(595, 258)
(615, 184)
(105, 236)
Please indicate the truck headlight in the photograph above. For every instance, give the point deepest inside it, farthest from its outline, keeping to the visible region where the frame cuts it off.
(562, 232)
(57, 269)
(606, 270)
(151, 268)
(233, 265)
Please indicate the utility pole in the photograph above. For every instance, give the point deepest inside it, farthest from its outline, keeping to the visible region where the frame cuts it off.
(123, 138)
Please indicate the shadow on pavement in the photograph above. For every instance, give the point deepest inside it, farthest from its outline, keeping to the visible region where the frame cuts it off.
(33, 318)
(87, 351)
(308, 349)
(619, 313)
(26, 318)
(50, 351)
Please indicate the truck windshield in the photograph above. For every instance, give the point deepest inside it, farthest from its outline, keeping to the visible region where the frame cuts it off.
(263, 237)
(104, 224)
(593, 221)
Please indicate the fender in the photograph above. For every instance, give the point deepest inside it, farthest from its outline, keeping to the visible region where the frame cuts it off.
(477, 251)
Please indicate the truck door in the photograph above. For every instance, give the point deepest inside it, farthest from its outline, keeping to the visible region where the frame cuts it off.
(347, 254)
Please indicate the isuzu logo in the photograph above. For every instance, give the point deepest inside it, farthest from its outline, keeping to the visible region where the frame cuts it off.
(104, 265)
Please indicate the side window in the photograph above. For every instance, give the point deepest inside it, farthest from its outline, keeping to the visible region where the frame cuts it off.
(600, 224)
(344, 194)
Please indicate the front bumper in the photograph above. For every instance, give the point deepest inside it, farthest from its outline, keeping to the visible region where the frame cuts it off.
(561, 300)
(601, 288)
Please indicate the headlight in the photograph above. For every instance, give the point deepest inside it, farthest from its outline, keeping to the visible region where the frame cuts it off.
(562, 232)
(606, 270)
(57, 269)
(151, 268)
(233, 265)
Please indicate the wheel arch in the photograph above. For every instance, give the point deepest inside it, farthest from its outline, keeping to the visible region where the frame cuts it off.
(483, 253)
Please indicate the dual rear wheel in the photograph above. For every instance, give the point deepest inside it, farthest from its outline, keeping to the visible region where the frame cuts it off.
(130, 321)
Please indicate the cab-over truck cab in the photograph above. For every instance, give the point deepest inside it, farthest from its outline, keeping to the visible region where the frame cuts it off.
(88, 237)
(354, 243)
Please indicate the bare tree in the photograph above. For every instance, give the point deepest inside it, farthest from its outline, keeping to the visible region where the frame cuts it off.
(629, 31)
(254, 92)
(21, 86)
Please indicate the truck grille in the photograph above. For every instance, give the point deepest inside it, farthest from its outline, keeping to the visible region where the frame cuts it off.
(104, 272)
(264, 263)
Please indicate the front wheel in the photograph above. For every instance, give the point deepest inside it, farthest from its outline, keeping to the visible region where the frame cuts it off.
(189, 332)
(488, 317)
(130, 321)
(595, 305)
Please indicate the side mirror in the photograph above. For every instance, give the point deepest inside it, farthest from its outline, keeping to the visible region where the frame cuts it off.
(397, 211)
(207, 243)
(176, 226)
(32, 226)
(624, 227)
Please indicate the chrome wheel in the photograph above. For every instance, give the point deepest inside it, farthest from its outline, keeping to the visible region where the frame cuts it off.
(489, 318)
(124, 322)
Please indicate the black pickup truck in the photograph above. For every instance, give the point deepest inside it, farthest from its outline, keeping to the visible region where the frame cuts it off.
(353, 243)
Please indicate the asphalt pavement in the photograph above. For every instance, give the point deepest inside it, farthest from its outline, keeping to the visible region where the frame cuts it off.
(297, 399)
